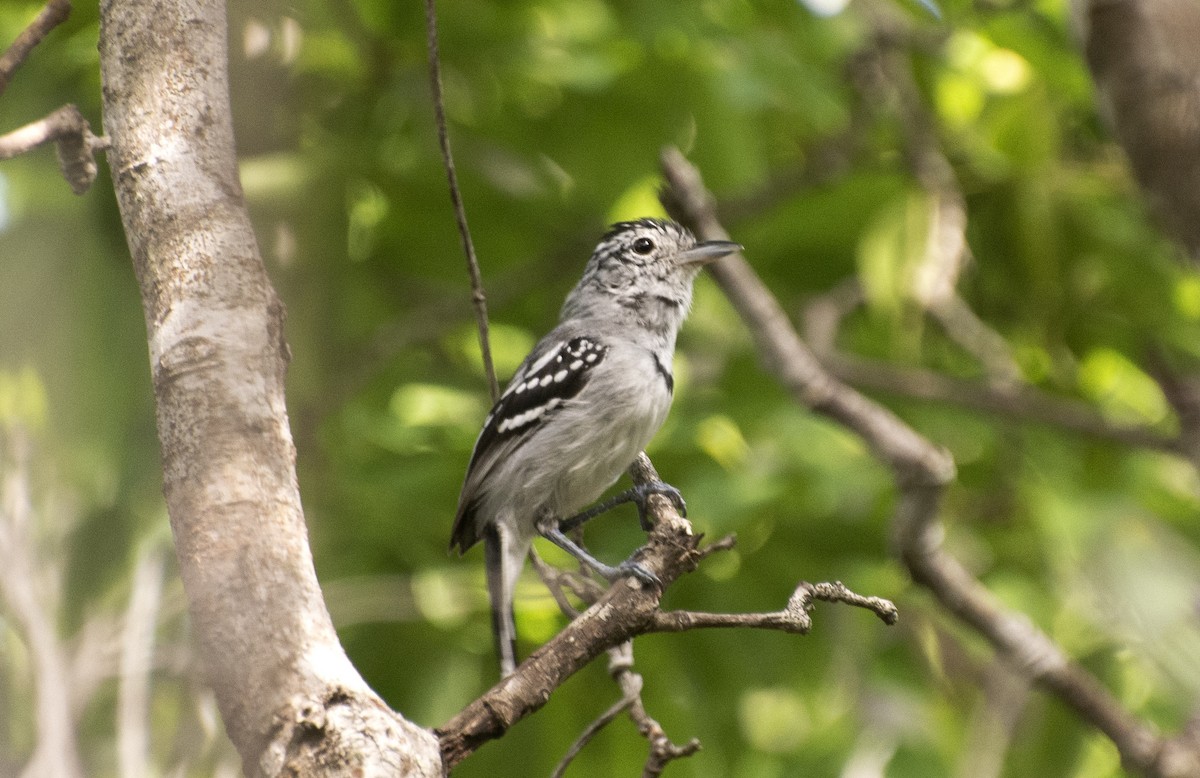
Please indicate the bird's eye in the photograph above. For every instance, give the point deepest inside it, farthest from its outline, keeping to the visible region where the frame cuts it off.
(643, 246)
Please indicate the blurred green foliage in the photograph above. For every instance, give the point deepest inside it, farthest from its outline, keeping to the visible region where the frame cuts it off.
(558, 110)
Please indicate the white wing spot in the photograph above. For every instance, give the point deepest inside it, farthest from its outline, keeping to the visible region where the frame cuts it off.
(576, 364)
(536, 366)
(559, 376)
(546, 380)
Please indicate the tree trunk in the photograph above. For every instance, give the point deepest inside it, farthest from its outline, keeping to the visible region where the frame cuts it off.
(291, 700)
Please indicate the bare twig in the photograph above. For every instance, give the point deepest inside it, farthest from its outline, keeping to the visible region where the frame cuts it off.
(478, 297)
(921, 471)
(979, 339)
(73, 136)
(662, 750)
(786, 355)
(556, 580)
(726, 543)
(793, 618)
(53, 14)
(824, 313)
(620, 662)
(626, 610)
(605, 718)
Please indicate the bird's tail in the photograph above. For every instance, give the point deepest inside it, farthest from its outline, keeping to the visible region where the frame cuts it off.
(503, 563)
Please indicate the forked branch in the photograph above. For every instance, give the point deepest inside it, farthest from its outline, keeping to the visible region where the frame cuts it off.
(921, 471)
(626, 610)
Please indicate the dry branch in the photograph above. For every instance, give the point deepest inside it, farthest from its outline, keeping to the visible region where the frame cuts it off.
(66, 127)
(1014, 401)
(793, 618)
(626, 610)
(921, 472)
(53, 14)
(71, 134)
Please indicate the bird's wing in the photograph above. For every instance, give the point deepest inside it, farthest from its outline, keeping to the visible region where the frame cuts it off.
(555, 371)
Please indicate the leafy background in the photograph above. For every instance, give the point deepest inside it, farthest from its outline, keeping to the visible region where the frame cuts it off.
(558, 110)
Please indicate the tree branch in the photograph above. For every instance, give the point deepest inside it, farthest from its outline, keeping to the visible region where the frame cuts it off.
(793, 618)
(662, 750)
(53, 14)
(73, 137)
(624, 611)
(627, 609)
(785, 354)
(921, 471)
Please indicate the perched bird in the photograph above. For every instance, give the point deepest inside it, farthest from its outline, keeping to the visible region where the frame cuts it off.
(580, 408)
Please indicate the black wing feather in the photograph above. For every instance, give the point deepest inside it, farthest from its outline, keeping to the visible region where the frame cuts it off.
(538, 394)
(528, 401)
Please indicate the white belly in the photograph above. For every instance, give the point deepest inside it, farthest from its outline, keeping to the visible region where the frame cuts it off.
(598, 440)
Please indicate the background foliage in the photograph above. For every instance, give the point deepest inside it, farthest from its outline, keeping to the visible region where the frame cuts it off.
(558, 111)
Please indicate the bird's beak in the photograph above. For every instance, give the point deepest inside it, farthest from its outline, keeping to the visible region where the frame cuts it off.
(704, 253)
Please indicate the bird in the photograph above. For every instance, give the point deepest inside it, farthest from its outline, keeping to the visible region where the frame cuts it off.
(579, 409)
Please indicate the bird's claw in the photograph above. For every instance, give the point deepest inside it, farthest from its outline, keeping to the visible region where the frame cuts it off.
(642, 492)
(631, 569)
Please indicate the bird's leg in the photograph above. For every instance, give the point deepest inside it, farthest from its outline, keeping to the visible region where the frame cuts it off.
(637, 495)
(549, 528)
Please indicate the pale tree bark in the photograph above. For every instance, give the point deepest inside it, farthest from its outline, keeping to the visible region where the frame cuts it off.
(292, 702)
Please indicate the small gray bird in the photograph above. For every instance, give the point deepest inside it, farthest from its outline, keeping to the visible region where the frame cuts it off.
(580, 408)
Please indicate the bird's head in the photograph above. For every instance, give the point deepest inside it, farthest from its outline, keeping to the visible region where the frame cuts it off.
(644, 268)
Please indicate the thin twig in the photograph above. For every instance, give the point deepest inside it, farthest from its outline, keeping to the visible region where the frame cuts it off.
(662, 750)
(478, 297)
(792, 618)
(620, 667)
(593, 729)
(726, 543)
(53, 14)
(73, 136)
